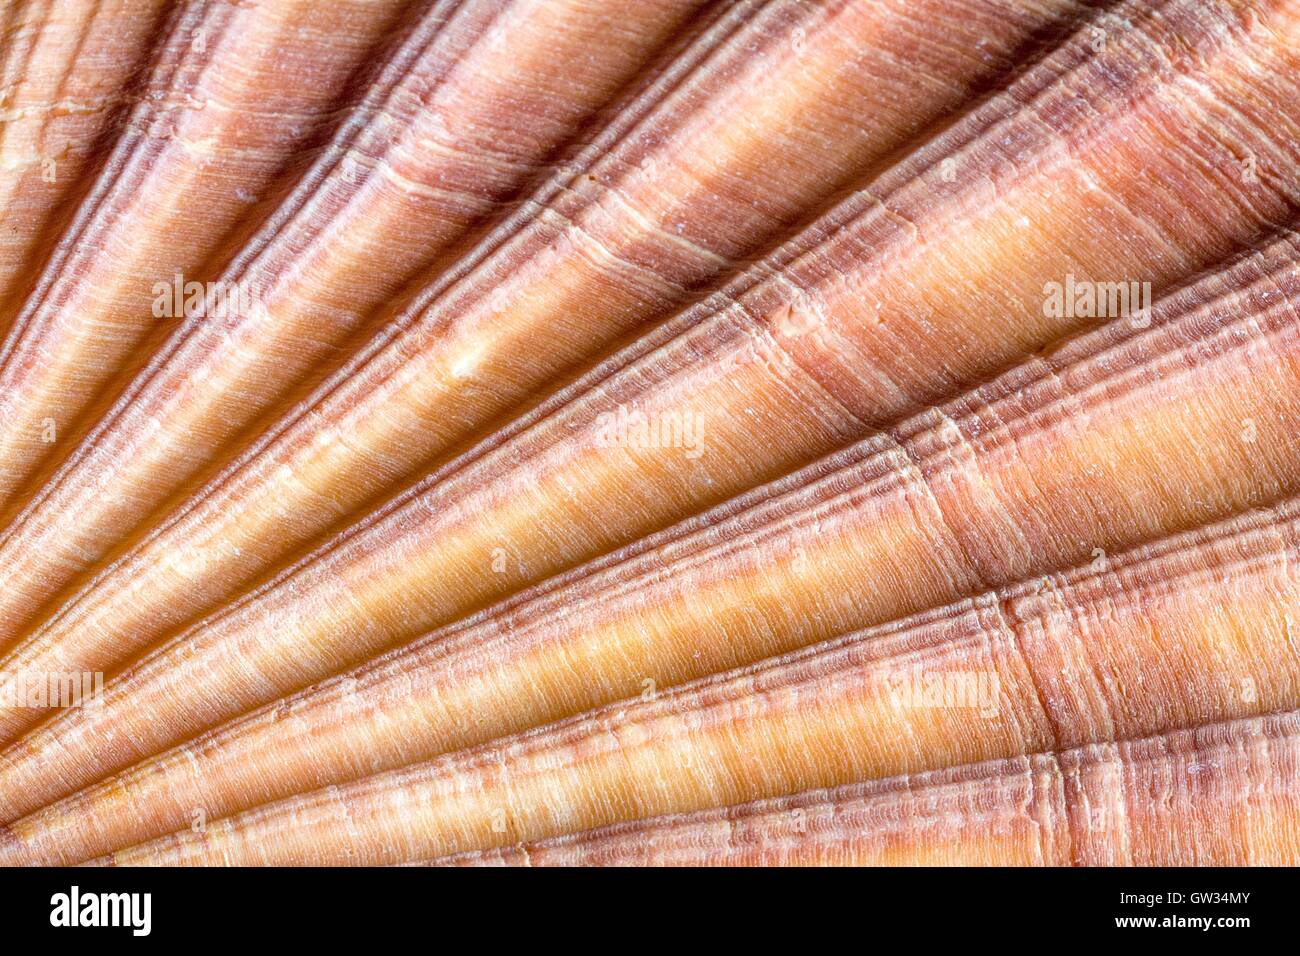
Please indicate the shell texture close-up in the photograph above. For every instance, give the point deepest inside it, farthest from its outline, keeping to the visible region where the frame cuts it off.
(650, 432)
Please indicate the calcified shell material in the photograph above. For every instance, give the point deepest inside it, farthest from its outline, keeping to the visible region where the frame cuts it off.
(650, 432)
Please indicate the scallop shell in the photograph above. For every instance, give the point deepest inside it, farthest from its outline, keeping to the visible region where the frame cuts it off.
(573, 432)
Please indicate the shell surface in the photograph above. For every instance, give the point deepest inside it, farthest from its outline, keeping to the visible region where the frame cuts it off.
(650, 432)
